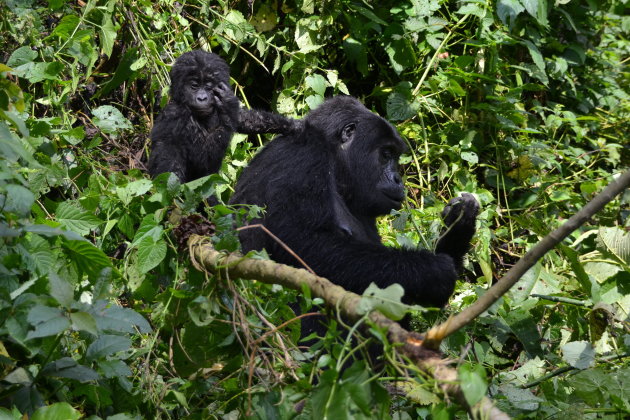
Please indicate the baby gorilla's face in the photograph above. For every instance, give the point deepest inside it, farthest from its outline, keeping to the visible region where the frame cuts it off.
(206, 94)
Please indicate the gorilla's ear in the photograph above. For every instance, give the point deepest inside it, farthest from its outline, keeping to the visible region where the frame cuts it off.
(347, 133)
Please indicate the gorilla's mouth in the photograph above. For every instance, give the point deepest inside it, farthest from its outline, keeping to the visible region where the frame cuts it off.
(396, 197)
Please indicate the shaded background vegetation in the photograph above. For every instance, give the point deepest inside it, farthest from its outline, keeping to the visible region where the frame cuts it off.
(522, 102)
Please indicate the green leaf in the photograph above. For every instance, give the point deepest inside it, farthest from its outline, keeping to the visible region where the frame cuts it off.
(579, 354)
(399, 108)
(387, 301)
(40, 256)
(536, 55)
(83, 321)
(110, 119)
(151, 252)
(66, 27)
(524, 287)
(115, 318)
(74, 217)
(47, 321)
(106, 345)
(19, 200)
(60, 289)
(67, 367)
(521, 399)
(21, 56)
(317, 83)
(108, 34)
(114, 369)
(508, 10)
(133, 189)
(615, 241)
(473, 382)
(86, 256)
(56, 411)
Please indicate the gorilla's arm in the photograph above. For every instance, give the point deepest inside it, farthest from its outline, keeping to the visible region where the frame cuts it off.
(253, 121)
(167, 158)
(428, 279)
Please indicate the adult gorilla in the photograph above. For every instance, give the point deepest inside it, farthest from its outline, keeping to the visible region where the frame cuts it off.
(191, 134)
(324, 188)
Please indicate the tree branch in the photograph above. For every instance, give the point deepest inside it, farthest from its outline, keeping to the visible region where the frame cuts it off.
(530, 258)
(205, 258)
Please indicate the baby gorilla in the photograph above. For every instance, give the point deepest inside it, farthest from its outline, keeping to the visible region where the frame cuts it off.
(191, 134)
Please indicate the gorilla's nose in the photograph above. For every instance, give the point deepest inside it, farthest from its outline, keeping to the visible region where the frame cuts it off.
(202, 97)
(397, 178)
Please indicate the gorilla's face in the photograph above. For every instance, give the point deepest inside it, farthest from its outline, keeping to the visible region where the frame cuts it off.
(200, 81)
(370, 150)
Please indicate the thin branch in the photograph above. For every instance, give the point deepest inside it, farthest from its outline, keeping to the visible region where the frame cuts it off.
(530, 258)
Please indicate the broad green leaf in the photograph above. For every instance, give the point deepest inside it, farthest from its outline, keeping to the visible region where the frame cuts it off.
(106, 345)
(531, 6)
(67, 367)
(108, 34)
(508, 10)
(56, 411)
(110, 119)
(313, 101)
(387, 301)
(75, 218)
(473, 382)
(472, 9)
(66, 27)
(19, 200)
(601, 271)
(133, 189)
(151, 252)
(399, 108)
(615, 241)
(40, 257)
(115, 318)
(47, 321)
(86, 256)
(83, 321)
(114, 369)
(522, 399)
(317, 83)
(536, 55)
(14, 414)
(524, 287)
(21, 56)
(61, 289)
(579, 354)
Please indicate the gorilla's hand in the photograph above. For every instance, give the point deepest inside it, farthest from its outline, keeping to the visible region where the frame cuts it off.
(461, 210)
(222, 94)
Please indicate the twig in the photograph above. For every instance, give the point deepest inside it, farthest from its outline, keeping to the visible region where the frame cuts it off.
(530, 258)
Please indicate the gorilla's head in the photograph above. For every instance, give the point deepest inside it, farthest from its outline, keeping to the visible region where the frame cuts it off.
(198, 80)
(366, 150)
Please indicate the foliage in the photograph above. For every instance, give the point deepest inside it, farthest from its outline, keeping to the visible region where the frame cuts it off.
(522, 102)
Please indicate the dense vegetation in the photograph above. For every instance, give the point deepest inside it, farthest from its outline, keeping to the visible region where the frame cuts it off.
(521, 102)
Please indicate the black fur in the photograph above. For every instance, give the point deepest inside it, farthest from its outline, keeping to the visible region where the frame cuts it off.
(193, 131)
(324, 188)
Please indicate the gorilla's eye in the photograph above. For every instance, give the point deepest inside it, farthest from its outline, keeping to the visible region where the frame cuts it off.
(194, 84)
(387, 153)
